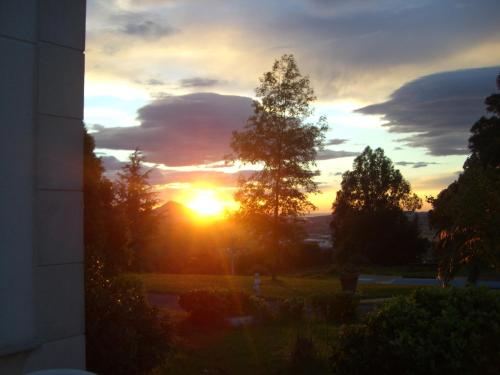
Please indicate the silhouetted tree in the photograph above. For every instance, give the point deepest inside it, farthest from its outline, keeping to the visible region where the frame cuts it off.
(368, 213)
(105, 232)
(277, 138)
(124, 335)
(466, 215)
(136, 200)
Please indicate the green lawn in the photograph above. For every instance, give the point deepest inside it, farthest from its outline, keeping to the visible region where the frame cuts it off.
(250, 350)
(258, 349)
(284, 287)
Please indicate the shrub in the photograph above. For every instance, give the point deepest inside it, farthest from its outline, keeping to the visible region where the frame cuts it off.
(337, 307)
(431, 331)
(291, 309)
(303, 356)
(207, 307)
(124, 335)
(261, 310)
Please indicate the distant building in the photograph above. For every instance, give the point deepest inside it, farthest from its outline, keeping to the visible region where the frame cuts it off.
(41, 198)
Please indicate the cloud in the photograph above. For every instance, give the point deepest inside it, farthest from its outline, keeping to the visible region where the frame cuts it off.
(182, 130)
(414, 164)
(347, 47)
(215, 178)
(199, 82)
(155, 82)
(437, 111)
(111, 164)
(331, 154)
(159, 176)
(335, 141)
(147, 29)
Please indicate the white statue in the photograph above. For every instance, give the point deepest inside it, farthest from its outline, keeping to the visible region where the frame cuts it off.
(256, 283)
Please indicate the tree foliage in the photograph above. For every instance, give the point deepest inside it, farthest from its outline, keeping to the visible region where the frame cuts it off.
(368, 213)
(136, 201)
(105, 231)
(375, 184)
(466, 215)
(278, 139)
(432, 331)
(124, 335)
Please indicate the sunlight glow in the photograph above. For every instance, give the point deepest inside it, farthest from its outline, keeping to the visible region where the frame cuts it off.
(206, 204)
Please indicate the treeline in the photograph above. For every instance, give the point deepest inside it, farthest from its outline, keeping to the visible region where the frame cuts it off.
(126, 230)
(124, 334)
(119, 219)
(466, 215)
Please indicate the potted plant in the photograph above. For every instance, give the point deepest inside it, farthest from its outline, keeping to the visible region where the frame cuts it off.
(350, 265)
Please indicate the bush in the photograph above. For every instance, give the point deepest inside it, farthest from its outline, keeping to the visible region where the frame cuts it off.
(431, 331)
(208, 307)
(261, 310)
(291, 309)
(303, 356)
(124, 335)
(337, 307)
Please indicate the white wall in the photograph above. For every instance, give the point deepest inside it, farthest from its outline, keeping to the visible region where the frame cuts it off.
(41, 234)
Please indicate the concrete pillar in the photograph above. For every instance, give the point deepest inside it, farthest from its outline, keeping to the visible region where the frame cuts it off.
(41, 200)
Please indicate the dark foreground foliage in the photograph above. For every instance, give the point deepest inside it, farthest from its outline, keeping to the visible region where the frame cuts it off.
(304, 357)
(339, 307)
(124, 334)
(210, 307)
(432, 331)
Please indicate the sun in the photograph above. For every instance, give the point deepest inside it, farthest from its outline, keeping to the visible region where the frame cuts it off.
(206, 204)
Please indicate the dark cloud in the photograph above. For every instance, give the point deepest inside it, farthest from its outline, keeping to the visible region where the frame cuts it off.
(199, 82)
(155, 82)
(331, 154)
(182, 130)
(437, 111)
(209, 177)
(94, 127)
(159, 176)
(147, 29)
(111, 164)
(141, 24)
(415, 164)
(348, 47)
(335, 141)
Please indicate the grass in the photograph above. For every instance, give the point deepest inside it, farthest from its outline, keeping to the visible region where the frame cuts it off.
(256, 349)
(282, 288)
(421, 271)
(250, 350)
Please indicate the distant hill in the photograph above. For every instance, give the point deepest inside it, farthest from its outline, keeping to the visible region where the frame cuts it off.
(175, 213)
(320, 225)
(317, 225)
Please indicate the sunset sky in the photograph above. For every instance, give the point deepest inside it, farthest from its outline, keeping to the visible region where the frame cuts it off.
(176, 77)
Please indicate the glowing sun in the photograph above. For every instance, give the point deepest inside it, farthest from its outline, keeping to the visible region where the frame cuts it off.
(205, 203)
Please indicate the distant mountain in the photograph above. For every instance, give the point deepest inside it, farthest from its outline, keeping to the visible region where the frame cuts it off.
(317, 225)
(175, 213)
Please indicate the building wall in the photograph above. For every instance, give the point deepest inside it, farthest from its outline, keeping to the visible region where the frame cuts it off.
(41, 199)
